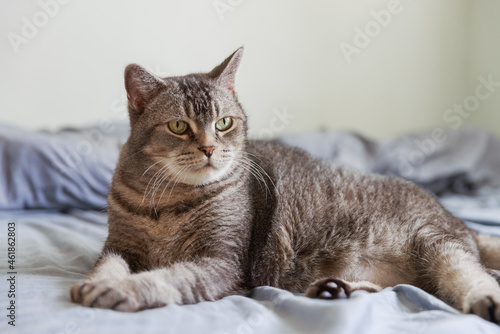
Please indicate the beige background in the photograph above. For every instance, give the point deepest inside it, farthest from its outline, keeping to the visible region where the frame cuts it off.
(421, 63)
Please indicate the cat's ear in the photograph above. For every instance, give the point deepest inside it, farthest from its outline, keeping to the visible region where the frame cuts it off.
(225, 73)
(141, 86)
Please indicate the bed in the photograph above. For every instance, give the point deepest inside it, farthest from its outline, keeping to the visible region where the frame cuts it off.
(53, 200)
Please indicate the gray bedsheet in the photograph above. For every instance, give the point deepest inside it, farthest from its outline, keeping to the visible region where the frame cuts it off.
(55, 250)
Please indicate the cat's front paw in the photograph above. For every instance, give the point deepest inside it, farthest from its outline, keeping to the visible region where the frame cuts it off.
(76, 292)
(119, 296)
(486, 305)
(109, 296)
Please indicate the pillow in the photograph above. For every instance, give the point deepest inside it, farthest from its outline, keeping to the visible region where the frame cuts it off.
(442, 161)
(70, 168)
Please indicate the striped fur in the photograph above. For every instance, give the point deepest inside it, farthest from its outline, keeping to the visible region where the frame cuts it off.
(264, 214)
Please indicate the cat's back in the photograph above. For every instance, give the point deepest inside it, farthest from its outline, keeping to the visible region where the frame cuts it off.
(318, 212)
(315, 189)
(293, 169)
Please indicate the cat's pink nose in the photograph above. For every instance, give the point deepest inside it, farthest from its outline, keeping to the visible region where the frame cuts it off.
(208, 150)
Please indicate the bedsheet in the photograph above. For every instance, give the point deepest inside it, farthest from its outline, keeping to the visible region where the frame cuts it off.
(55, 249)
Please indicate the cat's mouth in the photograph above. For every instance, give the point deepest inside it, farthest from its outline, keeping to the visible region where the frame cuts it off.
(207, 166)
(201, 171)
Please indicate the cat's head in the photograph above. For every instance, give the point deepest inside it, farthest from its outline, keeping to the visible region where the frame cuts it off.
(191, 126)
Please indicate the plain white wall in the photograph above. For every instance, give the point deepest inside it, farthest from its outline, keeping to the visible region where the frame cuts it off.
(417, 66)
(485, 45)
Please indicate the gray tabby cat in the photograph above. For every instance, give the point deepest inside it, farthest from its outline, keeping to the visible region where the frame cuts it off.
(198, 212)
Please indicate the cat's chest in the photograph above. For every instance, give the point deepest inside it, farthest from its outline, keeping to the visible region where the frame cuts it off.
(176, 237)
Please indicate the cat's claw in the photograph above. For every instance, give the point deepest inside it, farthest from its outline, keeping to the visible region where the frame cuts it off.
(108, 297)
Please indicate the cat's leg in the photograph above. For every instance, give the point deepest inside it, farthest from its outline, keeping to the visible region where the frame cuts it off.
(206, 279)
(332, 288)
(453, 272)
(495, 274)
(489, 248)
(110, 267)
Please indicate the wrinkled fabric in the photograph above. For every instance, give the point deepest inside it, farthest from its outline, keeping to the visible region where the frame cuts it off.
(56, 250)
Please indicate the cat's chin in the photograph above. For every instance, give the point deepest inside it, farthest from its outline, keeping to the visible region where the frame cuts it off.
(205, 175)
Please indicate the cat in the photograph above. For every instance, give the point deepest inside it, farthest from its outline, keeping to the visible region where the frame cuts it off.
(198, 212)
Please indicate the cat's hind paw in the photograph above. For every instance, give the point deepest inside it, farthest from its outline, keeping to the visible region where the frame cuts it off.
(332, 288)
(329, 288)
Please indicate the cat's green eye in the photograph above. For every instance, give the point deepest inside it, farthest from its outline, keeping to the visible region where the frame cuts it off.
(178, 127)
(224, 123)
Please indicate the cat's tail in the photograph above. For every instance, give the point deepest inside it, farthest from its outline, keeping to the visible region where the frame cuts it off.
(489, 248)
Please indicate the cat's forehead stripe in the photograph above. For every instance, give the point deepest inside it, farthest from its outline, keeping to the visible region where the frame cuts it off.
(196, 91)
(215, 109)
(188, 107)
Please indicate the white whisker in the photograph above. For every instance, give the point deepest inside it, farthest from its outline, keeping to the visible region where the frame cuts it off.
(157, 186)
(256, 170)
(155, 177)
(180, 175)
(166, 186)
(150, 167)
